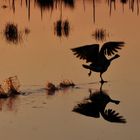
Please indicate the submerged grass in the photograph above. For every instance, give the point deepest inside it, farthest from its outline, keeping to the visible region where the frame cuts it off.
(51, 88)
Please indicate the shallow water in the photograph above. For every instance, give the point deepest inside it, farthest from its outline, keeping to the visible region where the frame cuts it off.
(40, 55)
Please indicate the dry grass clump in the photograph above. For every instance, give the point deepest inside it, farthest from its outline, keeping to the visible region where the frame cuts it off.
(66, 84)
(9, 87)
(51, 87)
(62, 85)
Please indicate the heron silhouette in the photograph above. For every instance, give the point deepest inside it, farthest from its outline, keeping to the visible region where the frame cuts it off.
(95, 105)
(98, 57)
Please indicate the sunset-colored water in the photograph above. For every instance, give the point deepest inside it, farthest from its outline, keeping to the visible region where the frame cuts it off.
(41, 53)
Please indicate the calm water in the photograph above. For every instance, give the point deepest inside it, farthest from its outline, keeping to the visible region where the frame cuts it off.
(40, 53)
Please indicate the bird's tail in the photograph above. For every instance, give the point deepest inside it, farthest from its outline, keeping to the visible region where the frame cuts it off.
(86, 66)
(115, 101)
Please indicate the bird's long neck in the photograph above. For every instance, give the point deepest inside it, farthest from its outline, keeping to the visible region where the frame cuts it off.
(114, 57)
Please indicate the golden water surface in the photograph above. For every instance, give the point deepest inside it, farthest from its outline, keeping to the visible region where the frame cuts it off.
(41, 55)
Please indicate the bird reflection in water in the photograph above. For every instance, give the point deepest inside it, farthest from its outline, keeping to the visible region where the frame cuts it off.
(98, 59)
(95, 105)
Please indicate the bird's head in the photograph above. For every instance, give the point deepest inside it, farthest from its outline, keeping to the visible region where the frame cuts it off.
(116, 56)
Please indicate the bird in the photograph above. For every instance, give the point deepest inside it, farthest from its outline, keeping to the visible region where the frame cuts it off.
(98, 58)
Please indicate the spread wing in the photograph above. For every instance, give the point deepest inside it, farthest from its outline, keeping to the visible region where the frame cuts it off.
(110, 48)
(88, 109)
(112, 116)
(88, 52)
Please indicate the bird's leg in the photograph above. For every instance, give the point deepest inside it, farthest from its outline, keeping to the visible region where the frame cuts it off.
(89, 73)
(102, 81)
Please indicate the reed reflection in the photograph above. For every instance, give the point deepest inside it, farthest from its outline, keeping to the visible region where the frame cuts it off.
(48, 5)
(132, 5)
(98, 58)
(95, 106)
(12, 33)
(100, 34)
(51, 4)
(62, 28)
(45, 4)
